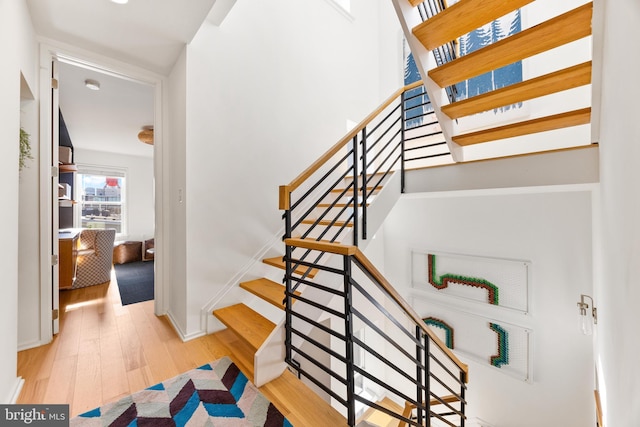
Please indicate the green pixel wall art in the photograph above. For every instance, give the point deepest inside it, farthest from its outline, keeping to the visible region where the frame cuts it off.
(442, 282)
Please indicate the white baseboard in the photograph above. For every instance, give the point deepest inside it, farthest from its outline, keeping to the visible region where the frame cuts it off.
(30, 345)
(184, 336)
(17, 388)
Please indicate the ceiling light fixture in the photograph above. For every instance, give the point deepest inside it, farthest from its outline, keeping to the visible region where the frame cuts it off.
(120, 1)
(92, 84)
(146, 135)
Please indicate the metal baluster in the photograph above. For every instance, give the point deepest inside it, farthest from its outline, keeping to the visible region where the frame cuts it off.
(355, 190)
(288, 317)
(364, 184)
(348, 328)
(402, 132)
(427, 379)
(462, 398)
(419, 374)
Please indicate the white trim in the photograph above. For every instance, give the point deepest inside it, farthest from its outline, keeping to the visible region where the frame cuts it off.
(232, 283)
(183, 336)
(590, 187)
(17, 388)
(31, 344)
(340, 8)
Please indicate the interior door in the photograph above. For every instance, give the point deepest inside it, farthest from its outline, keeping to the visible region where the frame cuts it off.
(55, 294)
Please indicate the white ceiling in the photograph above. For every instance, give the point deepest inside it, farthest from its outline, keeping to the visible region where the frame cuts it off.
(108, 119)
(146, 33)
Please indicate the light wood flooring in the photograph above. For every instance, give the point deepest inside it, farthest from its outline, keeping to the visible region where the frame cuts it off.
(105, 351)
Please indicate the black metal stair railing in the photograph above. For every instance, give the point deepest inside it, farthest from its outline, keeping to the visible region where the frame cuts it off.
(331, 197)
(445, 53)
(368, 344)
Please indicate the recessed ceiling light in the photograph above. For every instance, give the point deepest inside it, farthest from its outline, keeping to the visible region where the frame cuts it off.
(92, 84)
(120, 1)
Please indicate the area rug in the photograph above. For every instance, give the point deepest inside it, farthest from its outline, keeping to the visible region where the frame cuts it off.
(213, 395)
(135, 281)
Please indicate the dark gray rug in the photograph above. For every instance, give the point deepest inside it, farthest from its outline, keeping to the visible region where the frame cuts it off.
(135, 281)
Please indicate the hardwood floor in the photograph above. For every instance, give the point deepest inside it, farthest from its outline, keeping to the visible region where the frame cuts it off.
(105, 351)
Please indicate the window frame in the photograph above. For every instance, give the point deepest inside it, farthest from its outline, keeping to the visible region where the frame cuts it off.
(107, 172)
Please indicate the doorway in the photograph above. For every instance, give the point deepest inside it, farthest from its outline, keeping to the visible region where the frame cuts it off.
(97, 147)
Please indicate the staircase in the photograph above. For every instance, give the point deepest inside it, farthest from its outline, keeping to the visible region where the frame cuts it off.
(336, 205)
(429, 27)
(332, 209)
(323, 221)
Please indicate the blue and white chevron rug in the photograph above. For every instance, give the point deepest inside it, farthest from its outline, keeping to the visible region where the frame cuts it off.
(213, 395)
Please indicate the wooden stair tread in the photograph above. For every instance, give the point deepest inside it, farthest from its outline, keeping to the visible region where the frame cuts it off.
(337, 205)
(379, 418)
(447, 399)
(279, 263)
(557, 81)
(337, 223)
(287, 391)
(340, 190)
(462, 18)
(268, 290)
(555, 32)
(408, 406)
(250, 326)
(557, 121)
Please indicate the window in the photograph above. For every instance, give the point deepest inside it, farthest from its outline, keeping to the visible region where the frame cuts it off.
(342, 6)
(101, 199)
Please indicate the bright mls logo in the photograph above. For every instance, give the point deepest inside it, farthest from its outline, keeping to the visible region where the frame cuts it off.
(34, 415)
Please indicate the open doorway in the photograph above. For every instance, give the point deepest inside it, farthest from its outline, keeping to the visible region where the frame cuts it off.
(106, 134)
(131, 169)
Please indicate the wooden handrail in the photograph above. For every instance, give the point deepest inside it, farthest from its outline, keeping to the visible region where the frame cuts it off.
(339, 249)
(596, 394)
(285, 190)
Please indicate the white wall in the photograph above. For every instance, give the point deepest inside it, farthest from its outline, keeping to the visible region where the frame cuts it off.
(19, 55)
(619, 292)
(175, 196)
(139, 188)
(29, 290)
(552, 230)
(267, 92)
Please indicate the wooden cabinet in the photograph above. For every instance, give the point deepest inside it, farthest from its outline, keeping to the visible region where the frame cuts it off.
(68, 241)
